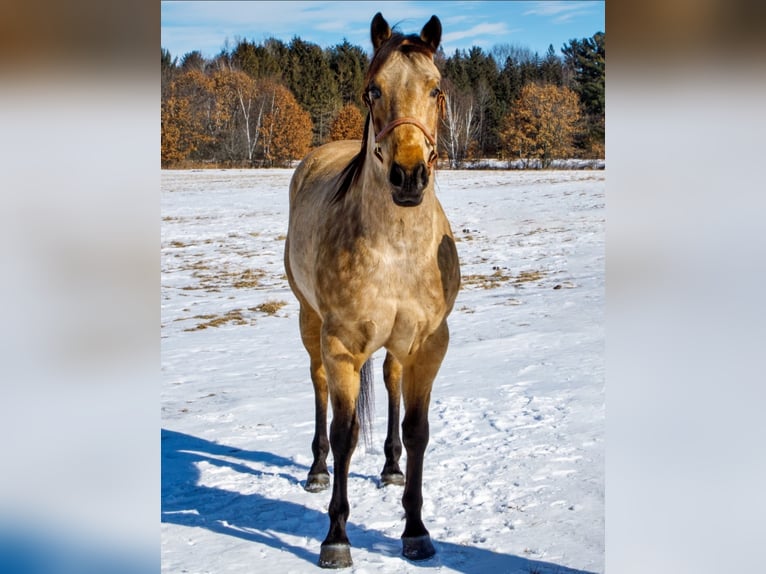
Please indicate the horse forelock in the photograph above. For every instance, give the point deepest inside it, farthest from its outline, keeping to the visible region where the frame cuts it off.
(397, 42)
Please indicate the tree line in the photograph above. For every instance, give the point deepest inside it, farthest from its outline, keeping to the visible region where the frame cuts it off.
(268, 103)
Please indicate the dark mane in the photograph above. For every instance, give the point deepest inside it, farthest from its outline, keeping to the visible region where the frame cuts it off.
(351, 172)
(411, 44)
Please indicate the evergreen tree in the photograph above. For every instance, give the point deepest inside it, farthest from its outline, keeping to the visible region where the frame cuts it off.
(260, 61)
(586, 61)
(552, 68)
(168, 72)
(349, 65)
(311, 81)
(193, 61)
(245, 57)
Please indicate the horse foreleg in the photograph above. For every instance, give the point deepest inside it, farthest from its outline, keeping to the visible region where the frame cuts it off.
(419, 374)
(319, 477)
(343, 380)
(311, 325)
(392, 374)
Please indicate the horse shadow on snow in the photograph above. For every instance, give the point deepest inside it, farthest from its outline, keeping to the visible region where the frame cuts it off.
(256, 518)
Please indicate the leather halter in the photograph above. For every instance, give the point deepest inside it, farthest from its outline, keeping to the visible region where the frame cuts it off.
(406, 120)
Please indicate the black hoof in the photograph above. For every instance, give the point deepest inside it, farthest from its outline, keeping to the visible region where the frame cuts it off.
(417, 547)
(335, 556)
(392, 478)
(317, 482)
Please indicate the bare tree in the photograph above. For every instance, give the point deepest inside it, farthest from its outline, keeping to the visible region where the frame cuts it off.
(461, 123)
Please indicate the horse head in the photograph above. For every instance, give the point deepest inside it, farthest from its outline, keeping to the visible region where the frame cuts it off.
(405, 100)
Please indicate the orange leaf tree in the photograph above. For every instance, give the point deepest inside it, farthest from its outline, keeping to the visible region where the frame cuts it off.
(187, 117)
(542, 124)
(239, 109)
(287, 129)
(348, 124)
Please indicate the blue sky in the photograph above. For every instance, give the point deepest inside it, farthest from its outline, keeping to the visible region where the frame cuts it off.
(206, 26)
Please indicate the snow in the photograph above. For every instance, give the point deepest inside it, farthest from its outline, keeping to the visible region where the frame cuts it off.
(514, 471)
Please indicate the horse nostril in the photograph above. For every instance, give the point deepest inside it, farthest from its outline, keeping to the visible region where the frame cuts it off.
(421, 175)
(397, 175)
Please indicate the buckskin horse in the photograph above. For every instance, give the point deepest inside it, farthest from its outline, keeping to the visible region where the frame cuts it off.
(371, 259)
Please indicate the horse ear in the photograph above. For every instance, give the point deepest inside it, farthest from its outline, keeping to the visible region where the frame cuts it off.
(380, 31)
(431, 33)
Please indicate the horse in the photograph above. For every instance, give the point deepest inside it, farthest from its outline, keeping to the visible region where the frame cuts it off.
(371, 258)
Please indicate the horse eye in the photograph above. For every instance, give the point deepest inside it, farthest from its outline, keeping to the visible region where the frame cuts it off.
(374, 92)
(435, 92)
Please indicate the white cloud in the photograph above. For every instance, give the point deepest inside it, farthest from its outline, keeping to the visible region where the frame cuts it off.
(485, 29)
(565, 9)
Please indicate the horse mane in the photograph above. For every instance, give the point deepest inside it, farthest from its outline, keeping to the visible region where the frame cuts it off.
(406, 45)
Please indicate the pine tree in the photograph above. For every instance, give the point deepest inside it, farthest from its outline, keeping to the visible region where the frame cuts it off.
(311, 80)
(349, 65)
(168, 72)
(586, 61)
(193, 61)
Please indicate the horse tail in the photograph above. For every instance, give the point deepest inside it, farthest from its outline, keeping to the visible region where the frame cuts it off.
(365, 404)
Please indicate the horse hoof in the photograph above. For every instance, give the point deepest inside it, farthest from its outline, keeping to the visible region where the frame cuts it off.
(417, 547)
(335, 556)
(392, 478)
(317, 482)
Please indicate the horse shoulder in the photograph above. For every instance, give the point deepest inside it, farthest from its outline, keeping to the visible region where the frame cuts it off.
(322, 165)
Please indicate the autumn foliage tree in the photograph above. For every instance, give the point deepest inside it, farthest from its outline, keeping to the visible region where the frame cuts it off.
(542, 124)
(348, 124)
(224, 115)
(185, 117)
(287, 129)
(239, 105)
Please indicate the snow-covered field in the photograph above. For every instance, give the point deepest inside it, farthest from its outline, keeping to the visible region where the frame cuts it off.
(514, 471)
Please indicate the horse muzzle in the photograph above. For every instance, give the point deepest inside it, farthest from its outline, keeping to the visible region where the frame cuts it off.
(408, 184)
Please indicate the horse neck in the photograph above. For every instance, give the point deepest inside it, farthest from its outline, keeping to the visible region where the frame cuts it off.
(379, 212)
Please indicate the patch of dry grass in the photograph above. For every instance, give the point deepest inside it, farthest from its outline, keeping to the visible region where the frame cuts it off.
(492, 281)
(248, 279)
(499, 277)
(269, 307)
(233, 317)
(528, 277)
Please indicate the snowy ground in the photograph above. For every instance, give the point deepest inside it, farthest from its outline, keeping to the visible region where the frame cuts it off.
(514, 472)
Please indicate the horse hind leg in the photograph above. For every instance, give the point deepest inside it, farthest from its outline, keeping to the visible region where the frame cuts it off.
(392, 375)
(311, 325)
